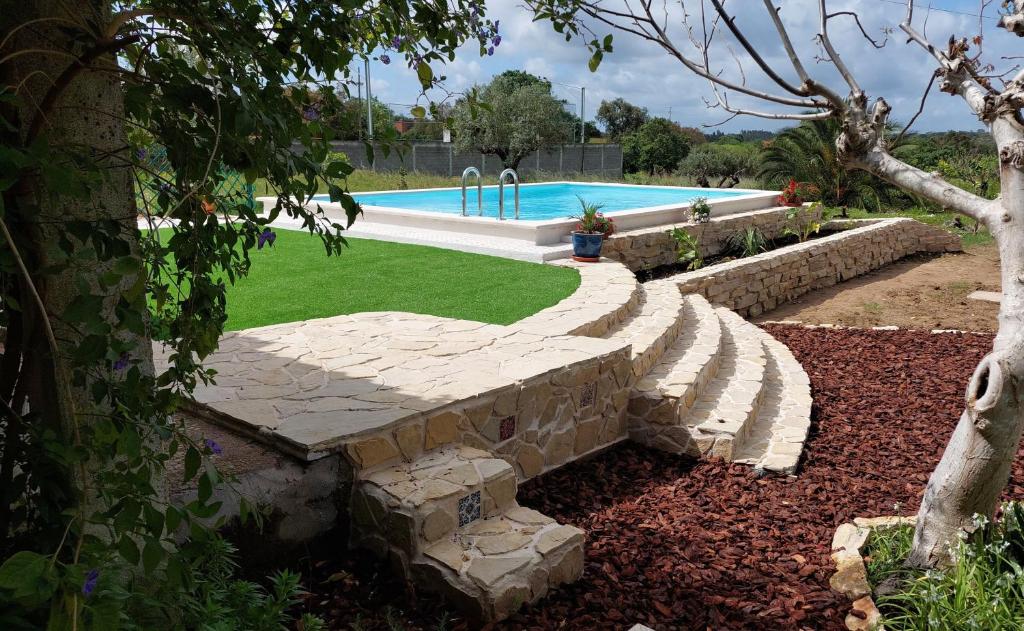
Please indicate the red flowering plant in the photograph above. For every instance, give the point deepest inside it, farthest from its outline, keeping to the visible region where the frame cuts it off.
(592, 221)
(792, 195)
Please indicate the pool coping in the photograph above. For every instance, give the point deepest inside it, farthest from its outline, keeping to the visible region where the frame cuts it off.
(544, 231)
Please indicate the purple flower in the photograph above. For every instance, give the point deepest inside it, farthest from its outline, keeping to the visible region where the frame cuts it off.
(490, 51)
(266, 237)
(122, 362)
(213, 446)
(395, 43)
(497, 40)
(311, 114)
(91, 577)
(384, 59)
(140, 154)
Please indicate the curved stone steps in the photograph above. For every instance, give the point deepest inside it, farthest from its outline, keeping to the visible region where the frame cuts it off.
(608, 294)
(663, 396)
(776, 438)
(724, 412)
(492, 566)
(653, 327)
(450, 521)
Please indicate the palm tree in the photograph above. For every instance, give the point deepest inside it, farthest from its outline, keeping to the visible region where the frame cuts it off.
(807, 154)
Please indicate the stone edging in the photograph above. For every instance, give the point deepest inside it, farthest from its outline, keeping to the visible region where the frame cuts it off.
(607, 294)
(850, 578)
(890, 327)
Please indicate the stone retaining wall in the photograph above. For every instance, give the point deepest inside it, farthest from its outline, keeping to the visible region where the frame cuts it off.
(753, 285)
(652, 247)
(539, 424)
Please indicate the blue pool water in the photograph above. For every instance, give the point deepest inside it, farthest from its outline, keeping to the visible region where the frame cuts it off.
(540, 201)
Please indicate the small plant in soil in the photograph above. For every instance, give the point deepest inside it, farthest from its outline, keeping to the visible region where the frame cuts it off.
(748, 242)
(803, 223)
(591, 220)
(700, 210)
(687, 249)
(982, 589)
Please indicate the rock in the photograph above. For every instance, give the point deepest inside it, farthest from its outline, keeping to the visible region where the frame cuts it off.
(869, 619)
(850, 578)
(372, 451)
(487, 571)
(410, 440)
(441, 430)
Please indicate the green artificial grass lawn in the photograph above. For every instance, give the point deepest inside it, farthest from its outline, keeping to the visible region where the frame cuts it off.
(296, 280)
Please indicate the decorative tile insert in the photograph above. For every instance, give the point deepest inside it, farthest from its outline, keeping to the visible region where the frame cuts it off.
(469, 508)
(507, 429)
(589, 395)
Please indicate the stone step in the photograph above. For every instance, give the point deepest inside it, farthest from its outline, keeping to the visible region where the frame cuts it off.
(449, 522)
(723, 414)
(663, 396)
(653, 327)
(492, 566)
(776, 438)
(608, 294)
(402, 509)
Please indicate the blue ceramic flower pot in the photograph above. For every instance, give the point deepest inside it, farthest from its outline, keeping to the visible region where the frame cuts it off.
(587, 246)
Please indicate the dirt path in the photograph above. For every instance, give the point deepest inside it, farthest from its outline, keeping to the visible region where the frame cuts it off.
(919, 292)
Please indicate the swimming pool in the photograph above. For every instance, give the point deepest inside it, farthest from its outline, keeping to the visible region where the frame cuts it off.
(544, 208)
(542, 201)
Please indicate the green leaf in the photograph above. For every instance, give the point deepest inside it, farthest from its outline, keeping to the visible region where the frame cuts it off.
(22, 568)
(595, 60)
(425, 73)
(128, 550)
(419, 111)
(192, 461)
(205, 488)
(152, 553)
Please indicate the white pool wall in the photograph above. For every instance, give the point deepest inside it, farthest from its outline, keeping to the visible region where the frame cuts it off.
(543, 231)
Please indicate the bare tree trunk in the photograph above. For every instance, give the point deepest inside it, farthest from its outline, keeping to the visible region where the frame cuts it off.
(975, 466)
(79, 109)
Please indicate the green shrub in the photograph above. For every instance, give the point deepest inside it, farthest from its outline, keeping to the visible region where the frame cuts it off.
(983, 589)
(803, 222)
(700, 210)
(687, 249)
(748, 242)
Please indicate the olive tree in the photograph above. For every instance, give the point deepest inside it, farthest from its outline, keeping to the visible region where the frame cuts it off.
(517, 115)
(976, 463)
(88, 91)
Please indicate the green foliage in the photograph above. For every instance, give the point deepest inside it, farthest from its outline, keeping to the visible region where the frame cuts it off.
(658, 145)
(687, 249)
(510, 117)
(718, 160)
(620, 118)
(983, 589)
(225, 87)
(803, 222)
(748, 242)
(591, 219)
(700, 210)
(807, 154)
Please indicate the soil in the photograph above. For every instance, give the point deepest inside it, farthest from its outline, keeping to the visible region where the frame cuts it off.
(918, 292)
(679, 544)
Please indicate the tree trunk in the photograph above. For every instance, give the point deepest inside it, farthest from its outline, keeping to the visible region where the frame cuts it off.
(76, 108)
(975, 466)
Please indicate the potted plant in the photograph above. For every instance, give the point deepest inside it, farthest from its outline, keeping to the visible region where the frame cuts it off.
(700, 210)
(791, 195)
(592, 229)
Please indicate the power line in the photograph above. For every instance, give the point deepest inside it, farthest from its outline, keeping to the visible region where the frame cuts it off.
(931, 8)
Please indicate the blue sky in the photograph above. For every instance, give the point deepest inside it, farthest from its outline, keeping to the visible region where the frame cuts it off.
(644, 74)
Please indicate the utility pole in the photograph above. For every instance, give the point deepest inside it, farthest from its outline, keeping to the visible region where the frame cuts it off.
(359, 99)
(670, 112)
(369, 101)
(583, 126)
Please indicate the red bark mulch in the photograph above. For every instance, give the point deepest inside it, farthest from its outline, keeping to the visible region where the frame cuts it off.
(679, 544)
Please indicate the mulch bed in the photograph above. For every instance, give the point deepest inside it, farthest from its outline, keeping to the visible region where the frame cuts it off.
(679, 544)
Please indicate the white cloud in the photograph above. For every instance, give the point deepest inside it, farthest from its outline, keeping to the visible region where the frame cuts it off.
(646, 75)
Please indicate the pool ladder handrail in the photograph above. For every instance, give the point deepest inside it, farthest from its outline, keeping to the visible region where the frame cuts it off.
(479, 190)
(501, 192)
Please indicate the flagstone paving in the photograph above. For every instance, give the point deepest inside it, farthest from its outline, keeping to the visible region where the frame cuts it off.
(439, 420)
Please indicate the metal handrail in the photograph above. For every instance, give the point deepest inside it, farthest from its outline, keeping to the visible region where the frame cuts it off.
(501, 192)
(479, 190)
